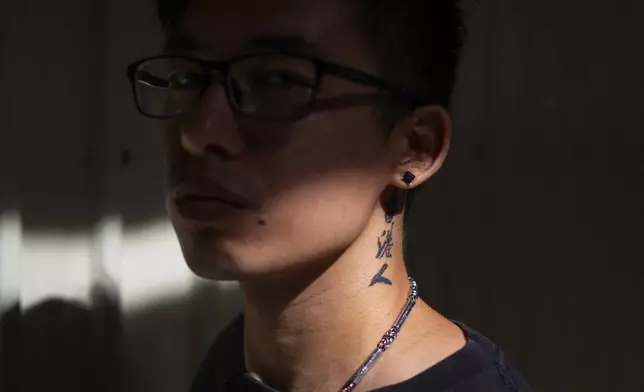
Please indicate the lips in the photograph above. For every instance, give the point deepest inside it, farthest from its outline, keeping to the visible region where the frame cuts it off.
(207, 203)
(198, 199)
(210, 193)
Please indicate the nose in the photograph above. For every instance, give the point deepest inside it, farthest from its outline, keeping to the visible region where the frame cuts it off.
(212, 128)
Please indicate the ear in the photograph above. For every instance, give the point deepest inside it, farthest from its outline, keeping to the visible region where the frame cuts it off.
(426, 137)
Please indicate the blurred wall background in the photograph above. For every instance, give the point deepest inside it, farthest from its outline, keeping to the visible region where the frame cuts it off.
(533, 233)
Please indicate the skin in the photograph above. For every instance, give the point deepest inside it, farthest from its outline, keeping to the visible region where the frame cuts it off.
(306, 251)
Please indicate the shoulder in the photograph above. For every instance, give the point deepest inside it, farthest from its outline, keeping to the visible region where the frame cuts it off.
(496, 368)
(480, 366)
(225, 357)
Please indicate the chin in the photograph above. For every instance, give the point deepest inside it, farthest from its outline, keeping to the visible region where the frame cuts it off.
(213, 273)
(209, 262)
(224, 259)
(249, 255)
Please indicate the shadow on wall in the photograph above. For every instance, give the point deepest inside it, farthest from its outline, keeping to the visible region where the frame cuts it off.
(61, 345)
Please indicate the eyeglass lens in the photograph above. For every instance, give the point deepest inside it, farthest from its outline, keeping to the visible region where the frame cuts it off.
(263, 85)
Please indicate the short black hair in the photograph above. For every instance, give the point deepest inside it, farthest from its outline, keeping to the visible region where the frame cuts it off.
(417, 44)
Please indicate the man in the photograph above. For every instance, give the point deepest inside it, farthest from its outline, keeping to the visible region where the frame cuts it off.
(294, 130)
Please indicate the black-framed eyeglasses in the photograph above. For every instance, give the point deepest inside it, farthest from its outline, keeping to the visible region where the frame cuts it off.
(268, 85)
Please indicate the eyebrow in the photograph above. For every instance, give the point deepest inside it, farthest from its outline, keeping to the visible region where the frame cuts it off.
(177, 42)
(291, 43)
(285, 42)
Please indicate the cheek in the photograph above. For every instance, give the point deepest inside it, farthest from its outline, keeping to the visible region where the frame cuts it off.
(328, 182)
(331, 175)
(342, 140)
(321, 216)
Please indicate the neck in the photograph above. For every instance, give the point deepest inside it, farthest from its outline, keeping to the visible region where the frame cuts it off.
(312, 334)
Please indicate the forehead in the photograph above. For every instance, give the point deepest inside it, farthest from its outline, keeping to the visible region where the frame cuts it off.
(224, 28)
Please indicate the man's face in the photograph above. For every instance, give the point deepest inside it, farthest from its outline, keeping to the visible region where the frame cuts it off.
(250, 197)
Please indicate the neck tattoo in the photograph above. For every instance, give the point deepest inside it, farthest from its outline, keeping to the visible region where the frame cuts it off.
(386, 341)
(385, 244)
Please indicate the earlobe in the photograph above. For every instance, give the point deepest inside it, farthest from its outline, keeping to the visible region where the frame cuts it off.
(408, 178)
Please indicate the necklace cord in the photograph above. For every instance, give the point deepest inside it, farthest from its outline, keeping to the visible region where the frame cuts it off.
(386, 341)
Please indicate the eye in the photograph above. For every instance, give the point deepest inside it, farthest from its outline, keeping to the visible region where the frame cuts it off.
(183, 80)
(282, 79)
(151, 80)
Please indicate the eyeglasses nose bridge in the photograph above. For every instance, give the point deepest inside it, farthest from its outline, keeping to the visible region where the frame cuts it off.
(211, 68)
(222, 71)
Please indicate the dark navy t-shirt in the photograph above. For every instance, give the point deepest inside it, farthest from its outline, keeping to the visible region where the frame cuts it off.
(477, 367)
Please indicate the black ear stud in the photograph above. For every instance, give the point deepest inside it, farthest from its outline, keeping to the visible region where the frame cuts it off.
(408, 178)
